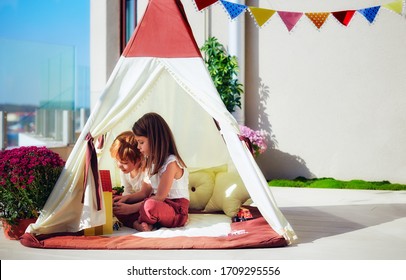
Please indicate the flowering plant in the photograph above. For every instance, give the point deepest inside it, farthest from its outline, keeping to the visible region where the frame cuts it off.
(27, 177)
(257, 138)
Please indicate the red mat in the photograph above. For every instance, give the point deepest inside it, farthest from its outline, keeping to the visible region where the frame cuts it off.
(255, 233)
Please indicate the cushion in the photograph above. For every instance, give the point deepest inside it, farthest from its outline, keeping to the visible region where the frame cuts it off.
(201, 185)
(214, 170)
(228, 195)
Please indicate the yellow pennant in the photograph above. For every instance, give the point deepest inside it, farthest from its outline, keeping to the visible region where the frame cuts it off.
(318, 18)
(261, 15)
(395, 6)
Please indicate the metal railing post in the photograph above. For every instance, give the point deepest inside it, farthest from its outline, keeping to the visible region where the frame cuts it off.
(3, 130)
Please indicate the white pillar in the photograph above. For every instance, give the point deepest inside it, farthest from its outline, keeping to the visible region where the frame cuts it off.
(236, 46)
(207, 23)
(104, 44)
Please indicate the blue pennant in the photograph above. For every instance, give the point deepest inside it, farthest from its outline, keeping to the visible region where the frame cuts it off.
(370, 13)
(233, 9)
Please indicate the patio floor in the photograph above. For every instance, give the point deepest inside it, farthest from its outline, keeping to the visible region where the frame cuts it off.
(331, 225)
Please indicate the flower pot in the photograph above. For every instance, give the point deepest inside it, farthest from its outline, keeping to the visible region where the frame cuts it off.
(14, 232)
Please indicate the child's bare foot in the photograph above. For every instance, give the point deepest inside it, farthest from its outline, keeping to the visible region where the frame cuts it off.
(142, 226)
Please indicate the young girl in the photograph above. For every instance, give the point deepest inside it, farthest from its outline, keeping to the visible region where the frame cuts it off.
(132, 173)
(166, 201)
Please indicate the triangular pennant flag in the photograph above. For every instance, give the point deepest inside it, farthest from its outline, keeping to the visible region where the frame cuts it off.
(396, 6)
(344, 17)
(233, 9)
(260, 15)
(201, 4)
(290, 18)
(318, 18)
(370, 13)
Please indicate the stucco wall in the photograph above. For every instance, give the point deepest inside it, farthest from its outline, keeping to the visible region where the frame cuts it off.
(332, 100)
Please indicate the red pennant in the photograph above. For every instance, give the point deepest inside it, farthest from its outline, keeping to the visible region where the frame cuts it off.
(344, 17)
(201, 4)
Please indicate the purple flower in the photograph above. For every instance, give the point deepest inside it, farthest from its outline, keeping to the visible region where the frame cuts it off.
(257, 138)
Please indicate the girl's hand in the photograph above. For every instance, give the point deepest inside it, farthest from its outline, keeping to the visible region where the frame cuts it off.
(120, 198)
(124, 209)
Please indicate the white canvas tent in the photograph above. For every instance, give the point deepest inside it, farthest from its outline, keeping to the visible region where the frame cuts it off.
(162, 71)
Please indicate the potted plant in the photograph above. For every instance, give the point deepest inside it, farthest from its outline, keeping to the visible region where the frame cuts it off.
(223, 69)
(257, 139)
(27, 177)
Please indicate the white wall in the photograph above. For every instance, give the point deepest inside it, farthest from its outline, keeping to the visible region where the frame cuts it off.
(332, 100)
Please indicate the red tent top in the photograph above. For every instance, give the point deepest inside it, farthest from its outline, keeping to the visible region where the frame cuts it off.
(164, 31)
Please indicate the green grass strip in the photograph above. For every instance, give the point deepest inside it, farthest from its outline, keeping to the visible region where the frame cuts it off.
(330, 183)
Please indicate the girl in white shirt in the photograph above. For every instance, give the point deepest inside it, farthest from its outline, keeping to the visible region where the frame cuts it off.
(166, 196)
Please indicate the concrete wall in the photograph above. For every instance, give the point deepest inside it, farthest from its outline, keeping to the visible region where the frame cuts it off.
(331, 100)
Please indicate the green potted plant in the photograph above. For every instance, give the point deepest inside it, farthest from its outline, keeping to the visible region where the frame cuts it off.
(223, 69)
(27, 177)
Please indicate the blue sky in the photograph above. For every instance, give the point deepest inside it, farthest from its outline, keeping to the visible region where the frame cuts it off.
(63, 23)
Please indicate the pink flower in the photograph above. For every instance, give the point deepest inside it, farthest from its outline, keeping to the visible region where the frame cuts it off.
(257, 138)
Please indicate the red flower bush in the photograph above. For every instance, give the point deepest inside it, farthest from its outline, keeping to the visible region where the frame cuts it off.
(27, 177)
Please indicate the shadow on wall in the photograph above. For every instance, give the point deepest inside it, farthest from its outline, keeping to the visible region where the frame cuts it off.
(274, 163)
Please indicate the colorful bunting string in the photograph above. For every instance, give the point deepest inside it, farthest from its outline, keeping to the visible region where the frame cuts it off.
(290, 19)
(344, 17)
(370, 13)
(397, 6)
(260, 15)
(233, 9)
(318, 19)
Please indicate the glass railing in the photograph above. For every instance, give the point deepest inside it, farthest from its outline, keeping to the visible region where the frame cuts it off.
(42, 91)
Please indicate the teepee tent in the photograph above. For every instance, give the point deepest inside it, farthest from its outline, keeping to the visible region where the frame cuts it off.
(161, 70)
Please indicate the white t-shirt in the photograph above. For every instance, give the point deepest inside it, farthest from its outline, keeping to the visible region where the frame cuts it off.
(180, 187)
(131, 185)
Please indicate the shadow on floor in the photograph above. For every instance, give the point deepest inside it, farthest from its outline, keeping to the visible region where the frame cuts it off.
(312, 223)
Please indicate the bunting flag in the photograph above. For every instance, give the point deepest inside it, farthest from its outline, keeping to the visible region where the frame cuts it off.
(318, 19)
(344, 17)
(260, 15)
(395, 6)
(290, 18)
(370, 13)
(233, 9)
(201, 4)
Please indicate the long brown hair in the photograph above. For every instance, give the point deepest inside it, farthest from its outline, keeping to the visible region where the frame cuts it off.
(160, 138)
